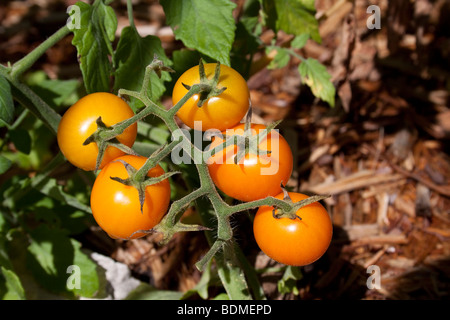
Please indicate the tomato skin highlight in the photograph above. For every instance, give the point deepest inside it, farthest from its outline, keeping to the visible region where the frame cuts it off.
(116, 207)
(220, 112)
(294, 242)
(259, 176)
(79, 122)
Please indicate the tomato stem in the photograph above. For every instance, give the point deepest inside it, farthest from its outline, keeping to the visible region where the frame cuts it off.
(217, 245)
(193, 90)
(268, 201)
(130, 13)
(292, 213)
(156, 66)
(26, 62)
(30, 100)
(154, 159)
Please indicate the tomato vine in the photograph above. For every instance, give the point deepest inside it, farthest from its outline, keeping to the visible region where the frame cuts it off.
(170, 224)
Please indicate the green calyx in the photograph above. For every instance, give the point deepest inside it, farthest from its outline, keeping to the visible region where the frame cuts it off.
(156, 66)
(139, 181)
(248, 143)
(168, 229)
(207, 88)
(104, 137)
(292, 213)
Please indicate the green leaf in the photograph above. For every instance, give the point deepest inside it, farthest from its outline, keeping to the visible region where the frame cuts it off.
(221, 297)
(147, 292)
(51, 253)
(209, 278)
(6, 101)
(184, 59)
(293, 17)
(300, 41)
(52, 189)
(132, 56)
(231, 274)
(13, 289)
(90, 283)
(93, 40)
(206, 26)
(21, 139)
(41, 141)
(288, 283)
(280, 60)
(5, 164)
(158, 134)
(5, 227)
(229, 267)
(316, 76)
(55, 92)
(247, 42)
(41, 248)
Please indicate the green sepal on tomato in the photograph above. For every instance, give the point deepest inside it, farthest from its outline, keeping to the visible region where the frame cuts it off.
(220, 112)
(255, 176)
(116, 206)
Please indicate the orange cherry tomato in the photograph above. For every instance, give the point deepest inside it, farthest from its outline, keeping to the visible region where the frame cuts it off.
(116, 207)
(256, 176)
(79, 122)
(220, 112)
(294, 242)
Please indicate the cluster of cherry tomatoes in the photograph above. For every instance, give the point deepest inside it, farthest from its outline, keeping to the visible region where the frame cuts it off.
(116, 206)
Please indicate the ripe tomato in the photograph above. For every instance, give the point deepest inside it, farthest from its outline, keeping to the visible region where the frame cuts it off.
(220, 112)
(116, 207)
(256, 176)
(79, 122)
(294, 242)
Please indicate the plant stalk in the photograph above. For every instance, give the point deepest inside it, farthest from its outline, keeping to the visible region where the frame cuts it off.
(26, 62)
